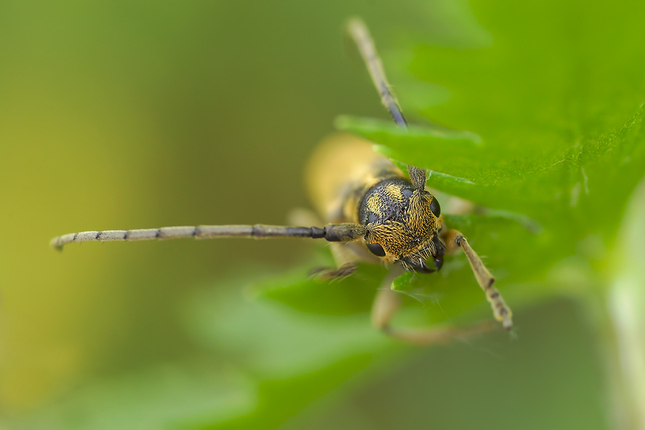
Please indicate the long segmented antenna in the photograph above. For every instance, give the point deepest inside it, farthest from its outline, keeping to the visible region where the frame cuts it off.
(361, 35)
(331, 233)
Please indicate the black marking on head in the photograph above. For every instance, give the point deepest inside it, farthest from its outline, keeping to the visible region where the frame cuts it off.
(438, 262)
(416, 265)
(393, 205)
(424, 268)
(435, 207)
(376, 249)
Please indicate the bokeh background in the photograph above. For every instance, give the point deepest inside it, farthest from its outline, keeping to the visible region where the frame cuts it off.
(134, 114)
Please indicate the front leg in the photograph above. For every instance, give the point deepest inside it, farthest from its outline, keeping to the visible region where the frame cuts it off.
(455, 241)
(332, 273)
(387, 303)
(346, 263)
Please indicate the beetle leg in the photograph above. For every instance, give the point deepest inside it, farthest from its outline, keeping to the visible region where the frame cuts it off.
(346, 263)
(330, 273)
(387, 303)
(455, 241)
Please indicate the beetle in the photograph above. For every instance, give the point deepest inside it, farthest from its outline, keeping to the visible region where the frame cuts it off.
(373, 212)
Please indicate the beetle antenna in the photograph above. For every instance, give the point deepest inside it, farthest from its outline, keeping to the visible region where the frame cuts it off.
(361, 35)
(332, 233)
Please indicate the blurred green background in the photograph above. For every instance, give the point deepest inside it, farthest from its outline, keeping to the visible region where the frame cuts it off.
(145, 114)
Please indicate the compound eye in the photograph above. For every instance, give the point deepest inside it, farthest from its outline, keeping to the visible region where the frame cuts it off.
(435, 208)
(376, 249)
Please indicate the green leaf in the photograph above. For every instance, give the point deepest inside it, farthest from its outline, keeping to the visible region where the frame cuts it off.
(537, 118)
(258, 332)
(552, 98)
(453, 294)
(560, 183)
(549, 134)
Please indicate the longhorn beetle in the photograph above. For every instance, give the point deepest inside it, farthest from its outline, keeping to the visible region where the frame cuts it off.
(373, 213)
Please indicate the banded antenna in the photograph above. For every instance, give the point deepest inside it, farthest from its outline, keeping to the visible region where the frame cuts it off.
(332, 233)
(361, 35)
